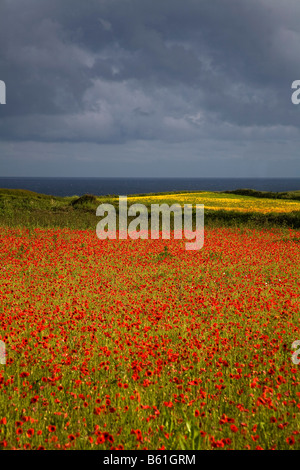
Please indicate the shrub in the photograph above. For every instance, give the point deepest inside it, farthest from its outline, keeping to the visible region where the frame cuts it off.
(84, 200)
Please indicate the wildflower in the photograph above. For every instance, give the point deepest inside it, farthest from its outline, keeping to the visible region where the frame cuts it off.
(30, 432)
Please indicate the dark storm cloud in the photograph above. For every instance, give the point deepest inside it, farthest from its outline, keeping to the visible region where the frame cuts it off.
(170, 70)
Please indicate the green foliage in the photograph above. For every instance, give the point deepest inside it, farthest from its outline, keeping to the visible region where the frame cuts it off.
(26, 208)
(85, 200)
(293, 195)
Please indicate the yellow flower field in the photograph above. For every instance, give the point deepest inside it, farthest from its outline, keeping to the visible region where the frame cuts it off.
(221, 201)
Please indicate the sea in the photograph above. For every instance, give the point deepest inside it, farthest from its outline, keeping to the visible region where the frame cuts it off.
(77, 186)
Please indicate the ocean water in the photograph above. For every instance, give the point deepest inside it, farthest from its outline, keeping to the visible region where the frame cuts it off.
(61, 186)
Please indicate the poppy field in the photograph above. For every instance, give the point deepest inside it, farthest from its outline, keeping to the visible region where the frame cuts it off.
(141, 344)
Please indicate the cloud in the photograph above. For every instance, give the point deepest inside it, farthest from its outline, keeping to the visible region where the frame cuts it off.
(123, 71)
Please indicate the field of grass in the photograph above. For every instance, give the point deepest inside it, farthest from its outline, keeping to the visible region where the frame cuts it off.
(221, 201)
(141, 344)
(19, 208)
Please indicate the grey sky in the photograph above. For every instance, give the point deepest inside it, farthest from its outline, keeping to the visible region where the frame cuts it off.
(149, 87)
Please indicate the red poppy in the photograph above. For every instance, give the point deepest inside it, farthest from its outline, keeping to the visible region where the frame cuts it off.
(290, 440)
(100, 439)
(30, 432)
